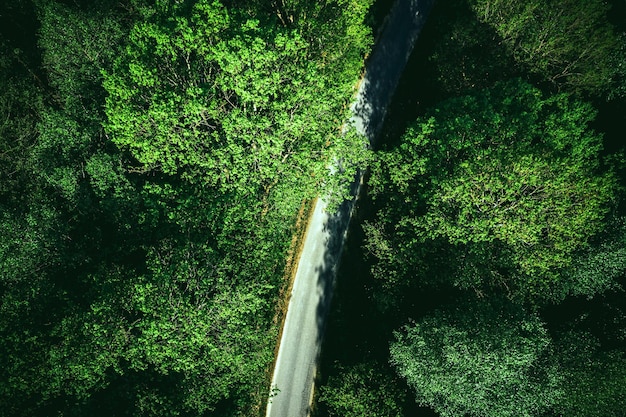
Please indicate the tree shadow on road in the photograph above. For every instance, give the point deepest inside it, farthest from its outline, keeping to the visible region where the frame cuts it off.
(384, 68)
(386, 64)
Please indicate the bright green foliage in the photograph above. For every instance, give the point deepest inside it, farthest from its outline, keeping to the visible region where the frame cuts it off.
(507, 180)
(149, 192)
(233, 102)
(362, 390)
(197, 324)
(487, 359)
(567, 42)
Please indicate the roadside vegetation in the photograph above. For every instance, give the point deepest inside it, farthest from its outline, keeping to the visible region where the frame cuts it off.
(492, 239)
(154, 157)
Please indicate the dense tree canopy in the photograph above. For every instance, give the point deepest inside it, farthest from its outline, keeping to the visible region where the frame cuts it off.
(362, 390)
(507, 180)
(497, 223)
(154, 157)
(570, 43)
(231, 101)
(153, 161)
(491, 358)
(593, 378)
(479, 359)
(468, 55)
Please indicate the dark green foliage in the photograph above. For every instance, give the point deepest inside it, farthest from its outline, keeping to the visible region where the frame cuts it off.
(362, 390)
(506, 181)
(491, 358)
(485, 358)
(20, 104)
(507, 200)
(149, 187)
(594, 382)
(564, 45)
(567, 42)
(599, 267)
(468, 55)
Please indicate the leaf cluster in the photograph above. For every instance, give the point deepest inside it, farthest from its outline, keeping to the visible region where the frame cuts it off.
(503, 192)
(480, 359)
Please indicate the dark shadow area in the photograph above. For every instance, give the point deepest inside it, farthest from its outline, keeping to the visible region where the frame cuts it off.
(617, 14)
(377, 16)
(356, 331)
(387, 63)
(18, 30)
(603, 316)
(454, 55)
(384, 69)
(336, 227)
(609, 113)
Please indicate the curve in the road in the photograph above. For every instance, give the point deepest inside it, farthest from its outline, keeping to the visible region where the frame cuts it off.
(300, 345)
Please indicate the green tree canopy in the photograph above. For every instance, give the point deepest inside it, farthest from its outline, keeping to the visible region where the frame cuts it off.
(594, 379)
(149, 191)
(468, 54)
(362, 390)
(485, 358)
(507, 181)
(567, 42)
(235, 102)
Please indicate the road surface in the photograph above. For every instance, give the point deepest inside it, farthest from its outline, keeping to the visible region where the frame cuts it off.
(294, 372)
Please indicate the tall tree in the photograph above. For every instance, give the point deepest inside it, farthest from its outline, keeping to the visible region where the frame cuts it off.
(506, 181)
(234, 102)
(485, 358)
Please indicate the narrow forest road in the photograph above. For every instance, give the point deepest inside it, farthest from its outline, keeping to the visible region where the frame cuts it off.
(303, 330)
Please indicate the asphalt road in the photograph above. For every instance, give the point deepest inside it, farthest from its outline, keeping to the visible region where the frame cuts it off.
(300, 345)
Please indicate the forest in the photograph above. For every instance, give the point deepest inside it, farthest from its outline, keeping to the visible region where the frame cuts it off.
(156, 159)
(485, 270)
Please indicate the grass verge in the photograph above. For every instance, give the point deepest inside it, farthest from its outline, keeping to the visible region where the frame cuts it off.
(284, 295)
